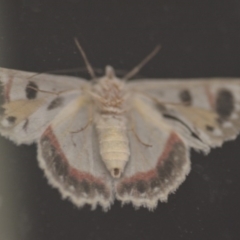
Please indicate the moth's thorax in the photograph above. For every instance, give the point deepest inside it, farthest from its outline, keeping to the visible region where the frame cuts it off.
(109, 95)
(113, 142)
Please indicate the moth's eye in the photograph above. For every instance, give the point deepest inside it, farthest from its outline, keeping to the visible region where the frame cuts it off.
(31, 90)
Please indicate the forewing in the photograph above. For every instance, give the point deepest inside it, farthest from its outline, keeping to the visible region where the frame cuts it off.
(159, 160)
(69, 155)
(208, 109)
(31, 101)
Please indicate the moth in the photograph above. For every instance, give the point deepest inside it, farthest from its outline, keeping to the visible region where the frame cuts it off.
(109, 139)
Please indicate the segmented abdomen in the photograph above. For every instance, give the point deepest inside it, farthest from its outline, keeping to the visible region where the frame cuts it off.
(113, 143)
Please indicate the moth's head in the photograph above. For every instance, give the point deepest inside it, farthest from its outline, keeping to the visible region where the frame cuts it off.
(110, 77)
(109, 92)
(110, 72)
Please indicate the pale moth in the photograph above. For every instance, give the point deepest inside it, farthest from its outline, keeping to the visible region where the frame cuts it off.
(110, 138)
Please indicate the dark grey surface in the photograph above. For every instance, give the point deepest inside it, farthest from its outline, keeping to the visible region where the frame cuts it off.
(198, 38)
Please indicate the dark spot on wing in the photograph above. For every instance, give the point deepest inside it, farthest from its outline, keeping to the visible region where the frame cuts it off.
(209, 128)
(61, 168)
(185, 97)
(11, 119)
(31, 90)
(126, 188)
(155, 183)
(57, 102)
(86, 187)
(165, 170)
(224, 103)
(171, 167)
(53, 159)
(141, 186)
(160, 107)
(72, 181)
(98, 187)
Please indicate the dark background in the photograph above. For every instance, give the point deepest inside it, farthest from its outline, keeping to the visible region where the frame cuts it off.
(198, 38)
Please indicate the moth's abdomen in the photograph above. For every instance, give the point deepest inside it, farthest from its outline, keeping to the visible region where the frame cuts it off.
(113, 143)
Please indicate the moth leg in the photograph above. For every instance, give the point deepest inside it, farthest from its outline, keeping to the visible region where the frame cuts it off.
(136, 135)
(83, 128)
(90, 120)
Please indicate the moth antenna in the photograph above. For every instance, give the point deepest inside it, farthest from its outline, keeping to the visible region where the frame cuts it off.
(136, 69)
(88, 65)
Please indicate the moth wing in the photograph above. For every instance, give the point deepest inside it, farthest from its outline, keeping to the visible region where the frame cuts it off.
(31, 101)
(54, 112)
(69, 155)
(159, 160)
(207, 108)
